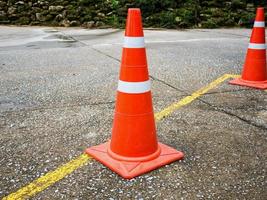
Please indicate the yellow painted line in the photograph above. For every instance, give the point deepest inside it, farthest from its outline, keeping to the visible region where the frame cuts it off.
(48, 179)
(170, 109)
(52, 177)
(233, 75)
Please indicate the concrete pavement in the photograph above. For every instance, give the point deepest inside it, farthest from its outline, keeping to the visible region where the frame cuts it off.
(57, 89)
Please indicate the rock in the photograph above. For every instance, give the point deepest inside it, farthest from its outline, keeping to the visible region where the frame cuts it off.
(2, 13)
(45, 12)
(35, 23)
(40, 17)
(3, 16)
(59, 18)
(11, 10)
(56, 8)
(24, 20)
(101, 15)
(52, 8)
(98, 24)
(65, 23)
(19, 3)
(74, 23)
(48, 17)
(2, 4)
(64, 14)
(42, 3)
(36, 9)
(33, 17)
(13, 18)
(96, 18)
(89, 24)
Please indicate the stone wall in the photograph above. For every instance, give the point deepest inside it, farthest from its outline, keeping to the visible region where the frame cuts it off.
(101, 13)
(55, 13)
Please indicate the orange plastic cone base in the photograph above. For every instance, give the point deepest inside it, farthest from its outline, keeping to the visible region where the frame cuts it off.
(254, 84)
(131, 169)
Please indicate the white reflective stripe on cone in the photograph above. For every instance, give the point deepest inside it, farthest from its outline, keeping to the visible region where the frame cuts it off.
(134, 42)
(256, 46)
(259, 24)
(134, 87)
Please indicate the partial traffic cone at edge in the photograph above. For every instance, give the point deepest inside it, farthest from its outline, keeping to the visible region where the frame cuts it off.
(134, 149)
(255, 70)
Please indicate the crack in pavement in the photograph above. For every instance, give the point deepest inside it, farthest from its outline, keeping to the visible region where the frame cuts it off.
(98, 51)
(169, 85)
(228, 112)
(116, 59)
(250, 122)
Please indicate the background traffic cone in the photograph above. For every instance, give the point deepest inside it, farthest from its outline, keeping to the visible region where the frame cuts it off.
(134, 149)
(255, 71)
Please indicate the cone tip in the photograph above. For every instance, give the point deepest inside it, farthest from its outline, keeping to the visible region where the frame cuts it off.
(134, 11)
(260, 11)
(134, 23)
(260, 14)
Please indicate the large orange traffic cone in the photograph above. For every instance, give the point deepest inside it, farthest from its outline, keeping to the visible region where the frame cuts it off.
(255, 70)
(134, 149)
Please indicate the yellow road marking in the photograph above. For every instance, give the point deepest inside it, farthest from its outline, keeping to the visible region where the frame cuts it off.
(170, 109)
(52, 177)
(233, 75)
(48, 179)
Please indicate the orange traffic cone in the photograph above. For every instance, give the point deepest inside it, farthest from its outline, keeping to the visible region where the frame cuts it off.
(134, 149)
(255, 71)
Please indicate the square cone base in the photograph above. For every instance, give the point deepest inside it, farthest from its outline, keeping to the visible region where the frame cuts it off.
(254, 84)
(130, 170)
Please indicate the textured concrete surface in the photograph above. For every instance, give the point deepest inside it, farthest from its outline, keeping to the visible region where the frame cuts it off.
(57, 89)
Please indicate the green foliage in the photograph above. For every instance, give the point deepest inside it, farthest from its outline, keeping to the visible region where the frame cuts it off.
(238, 4)
(246, 20)
(23, 20)
(210, 23)
(114, 4)
(187, 17)
(113, 21)
(86, 2)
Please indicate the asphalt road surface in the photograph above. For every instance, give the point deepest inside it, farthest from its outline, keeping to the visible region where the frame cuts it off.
(57, 94)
